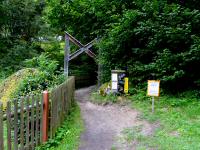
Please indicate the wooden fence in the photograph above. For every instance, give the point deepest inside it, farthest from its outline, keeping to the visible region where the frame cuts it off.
(25, 121)
(61, 99)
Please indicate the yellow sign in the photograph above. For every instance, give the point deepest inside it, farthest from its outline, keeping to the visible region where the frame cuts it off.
(153, 88)
(126, 86)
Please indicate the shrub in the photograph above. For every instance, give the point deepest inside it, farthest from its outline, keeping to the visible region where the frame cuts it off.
(9, 87)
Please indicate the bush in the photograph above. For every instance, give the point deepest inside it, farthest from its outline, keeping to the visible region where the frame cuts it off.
(155, 44)
(11, 85)
(47, 77)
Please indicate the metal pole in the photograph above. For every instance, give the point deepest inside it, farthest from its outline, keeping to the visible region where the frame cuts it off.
(153, 104)
(66, 56)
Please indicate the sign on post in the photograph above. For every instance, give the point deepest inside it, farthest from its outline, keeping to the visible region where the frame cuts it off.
(153, 90)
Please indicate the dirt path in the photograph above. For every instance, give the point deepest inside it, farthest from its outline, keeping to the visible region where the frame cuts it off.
(104, 124)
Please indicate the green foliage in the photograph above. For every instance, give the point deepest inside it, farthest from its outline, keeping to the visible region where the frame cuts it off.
(54, 49)
(11, 85)
(68, 135)
(47, 77)
(85, 18)
(193, 4)
(19, 24)
(154, 39)
(152, 44)
(13, 59)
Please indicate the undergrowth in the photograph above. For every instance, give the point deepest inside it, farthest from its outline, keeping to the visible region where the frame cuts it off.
(110, 98)
(68, 135)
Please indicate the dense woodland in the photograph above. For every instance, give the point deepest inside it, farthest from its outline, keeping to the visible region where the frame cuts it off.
(157, 39)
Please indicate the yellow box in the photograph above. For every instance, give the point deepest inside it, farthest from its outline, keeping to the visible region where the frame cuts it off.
(126, 86)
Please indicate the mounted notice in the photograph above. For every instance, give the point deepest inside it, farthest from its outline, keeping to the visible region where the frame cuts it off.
(153, 88)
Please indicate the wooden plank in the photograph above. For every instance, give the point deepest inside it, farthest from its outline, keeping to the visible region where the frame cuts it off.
(41, 120)
(15, 125)
(22, 123)
(68, 96)
(59, 107)
(78, 43)
(8, 112)
(54, 112)
(37, 121)
(27, 122)
(32, 122)
(1, 127)
(51, 121)
(63, 103)
(18, 112)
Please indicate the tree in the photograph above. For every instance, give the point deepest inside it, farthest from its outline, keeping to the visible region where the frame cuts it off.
(19, 25)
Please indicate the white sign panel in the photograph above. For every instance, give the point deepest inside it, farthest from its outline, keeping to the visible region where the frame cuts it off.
(114, 77)
(114, 85)
(153, 88)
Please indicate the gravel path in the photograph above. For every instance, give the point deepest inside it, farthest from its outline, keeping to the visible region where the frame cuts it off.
(104, 124)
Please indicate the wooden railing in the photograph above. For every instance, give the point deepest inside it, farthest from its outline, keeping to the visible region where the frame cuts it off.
(22, 124)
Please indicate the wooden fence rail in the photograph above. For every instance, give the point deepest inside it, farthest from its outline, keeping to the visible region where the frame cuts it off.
(22, 124)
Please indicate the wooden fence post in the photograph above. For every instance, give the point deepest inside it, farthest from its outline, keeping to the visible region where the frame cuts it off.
(9, 122)
(1, 127)
(45, 116)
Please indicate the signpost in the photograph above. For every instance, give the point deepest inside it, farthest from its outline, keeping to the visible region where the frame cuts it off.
(153, 90)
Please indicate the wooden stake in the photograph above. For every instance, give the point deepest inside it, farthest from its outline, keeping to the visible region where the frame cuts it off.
(45, 116)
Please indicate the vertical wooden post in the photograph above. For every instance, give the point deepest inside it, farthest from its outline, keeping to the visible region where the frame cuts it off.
(27, 122)
(15, 125)
(22, 123)
(37, 121)
(8, 114)
(66, 56)
(1, 127)
(41, 115)
(32, 121)
(45, 116)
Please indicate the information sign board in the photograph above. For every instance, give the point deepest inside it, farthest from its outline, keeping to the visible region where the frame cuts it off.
(153, 88)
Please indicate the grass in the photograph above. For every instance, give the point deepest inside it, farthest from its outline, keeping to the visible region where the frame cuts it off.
(179, 119)
(67, 136)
